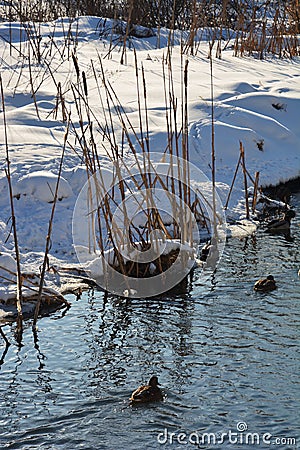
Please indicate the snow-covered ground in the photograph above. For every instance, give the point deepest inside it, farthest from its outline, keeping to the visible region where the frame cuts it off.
(256, 102)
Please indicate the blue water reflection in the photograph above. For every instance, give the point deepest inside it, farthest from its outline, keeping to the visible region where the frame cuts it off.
(224, 355)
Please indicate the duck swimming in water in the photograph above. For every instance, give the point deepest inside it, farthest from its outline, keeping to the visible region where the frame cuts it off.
(148, 393)
(265, 284)
(283, 223)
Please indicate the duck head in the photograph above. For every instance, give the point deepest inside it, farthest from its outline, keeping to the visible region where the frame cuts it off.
(289, 214)
(153, 381)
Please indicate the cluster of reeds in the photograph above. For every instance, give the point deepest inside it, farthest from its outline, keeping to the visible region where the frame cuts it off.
(256, 28)
(45, 11)
(273, 32)
(127, 145)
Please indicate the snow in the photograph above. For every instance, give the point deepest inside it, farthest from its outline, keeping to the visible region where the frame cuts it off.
(41, 185)
(7, 265)
(256, 102)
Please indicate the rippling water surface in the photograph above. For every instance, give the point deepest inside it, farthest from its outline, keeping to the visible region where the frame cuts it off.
(226, 357)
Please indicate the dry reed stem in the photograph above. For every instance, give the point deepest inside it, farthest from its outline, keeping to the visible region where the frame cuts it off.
(242, 151)
(255, 192)
(19, 332)
(213, 151)
(233, 181)
(48, 238)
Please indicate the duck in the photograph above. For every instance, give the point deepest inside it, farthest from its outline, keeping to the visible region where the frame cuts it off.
(283, 223)
(148, 393)
(265, 284)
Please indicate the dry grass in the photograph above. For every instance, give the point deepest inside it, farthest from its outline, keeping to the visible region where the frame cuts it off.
(257, 28)
(141, 183)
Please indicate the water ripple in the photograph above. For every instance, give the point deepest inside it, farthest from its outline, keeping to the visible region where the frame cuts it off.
(223, 354)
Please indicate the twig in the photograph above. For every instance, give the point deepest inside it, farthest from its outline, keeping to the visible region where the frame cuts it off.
(48, 239)
(233, 181)
(245, 179)
(14, 226)
(213, 153)
(255, 191)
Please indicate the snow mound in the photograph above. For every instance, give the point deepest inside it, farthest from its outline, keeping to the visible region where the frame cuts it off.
(7, 265)
(265, 124)
(42, 185)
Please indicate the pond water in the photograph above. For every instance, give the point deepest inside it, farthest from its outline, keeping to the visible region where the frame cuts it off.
(227, 359)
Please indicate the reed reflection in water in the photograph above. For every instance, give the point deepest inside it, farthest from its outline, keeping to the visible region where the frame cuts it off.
(223, 354)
